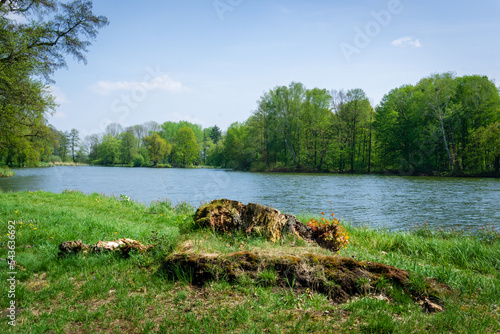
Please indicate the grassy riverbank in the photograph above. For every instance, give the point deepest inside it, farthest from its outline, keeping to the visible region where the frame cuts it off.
(108, 293)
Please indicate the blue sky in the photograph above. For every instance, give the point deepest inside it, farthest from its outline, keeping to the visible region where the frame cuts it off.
(208, 62)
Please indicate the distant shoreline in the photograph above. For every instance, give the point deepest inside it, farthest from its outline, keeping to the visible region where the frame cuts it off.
(280, 170)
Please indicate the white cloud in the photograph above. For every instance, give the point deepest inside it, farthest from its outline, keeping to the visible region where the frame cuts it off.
(162, 83)
(59, 114)
(57, 93)
(407, 41)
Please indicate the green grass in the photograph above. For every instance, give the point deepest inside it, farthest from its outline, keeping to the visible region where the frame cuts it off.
(105, 293)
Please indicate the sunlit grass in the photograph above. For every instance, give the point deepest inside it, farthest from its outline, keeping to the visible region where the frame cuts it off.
(104, 292)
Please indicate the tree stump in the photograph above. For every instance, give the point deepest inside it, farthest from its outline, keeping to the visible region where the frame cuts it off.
(226, 215)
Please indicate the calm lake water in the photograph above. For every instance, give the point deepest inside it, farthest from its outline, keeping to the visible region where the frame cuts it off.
(394, 202)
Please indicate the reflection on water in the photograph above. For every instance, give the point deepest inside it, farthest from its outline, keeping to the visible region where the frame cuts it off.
(392, 201)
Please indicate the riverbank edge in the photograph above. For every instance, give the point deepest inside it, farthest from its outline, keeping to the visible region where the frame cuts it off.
(280, 170)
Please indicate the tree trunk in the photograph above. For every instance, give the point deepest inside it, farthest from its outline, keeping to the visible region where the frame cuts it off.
(370, 144)
(446, 144)
(353, 147)
(497, 166)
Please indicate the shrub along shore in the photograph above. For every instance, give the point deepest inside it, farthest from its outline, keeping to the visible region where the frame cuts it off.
(6, 172)
(107, 292)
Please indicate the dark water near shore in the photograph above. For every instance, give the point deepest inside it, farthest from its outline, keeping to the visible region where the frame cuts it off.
(392, 201)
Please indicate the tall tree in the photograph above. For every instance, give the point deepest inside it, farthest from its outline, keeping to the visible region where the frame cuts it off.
(91, 143)
(215, 134)
(31, 49)
(489, 140)
(151, 127)
(186, 149)
(139, 132)
(109, 150)
(355, 114)
(157, 147)
(399, 130)
(128, 146)
(113, 129)
(439, 91)
(74, 140)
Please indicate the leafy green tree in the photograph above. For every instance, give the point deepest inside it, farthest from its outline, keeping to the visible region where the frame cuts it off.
(438, 98)
(64, 145)
(234, 147)
(73, 141)
(31, 49)
(207, 144)
(138, 160)
(139, 132)
(489, 140)
(186, 149)
(91, 143)
(143, 151)
(355, 116)
(479, 102)
(316, 124)
(215, 134)
(129, 146)
(109, 150)
(169, 130)
(399, 131)
(81, 154)
(157, 147)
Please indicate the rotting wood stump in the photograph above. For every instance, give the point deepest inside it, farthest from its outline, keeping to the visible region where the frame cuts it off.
(124, 246)
(226, 215)
(340, 278)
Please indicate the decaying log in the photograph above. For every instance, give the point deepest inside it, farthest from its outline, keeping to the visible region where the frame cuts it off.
(226, 215)
(340, 278)
(123, 245)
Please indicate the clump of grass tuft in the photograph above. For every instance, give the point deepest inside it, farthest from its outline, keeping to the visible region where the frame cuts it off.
(486, 233)
(5, 171)
(161, 206)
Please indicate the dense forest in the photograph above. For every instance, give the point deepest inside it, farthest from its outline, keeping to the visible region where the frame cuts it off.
(443, 125)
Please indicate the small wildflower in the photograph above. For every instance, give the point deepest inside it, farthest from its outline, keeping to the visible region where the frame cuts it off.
(34, 228)
(15, 211)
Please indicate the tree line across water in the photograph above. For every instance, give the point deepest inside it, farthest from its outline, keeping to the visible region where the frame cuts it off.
(443, 125)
